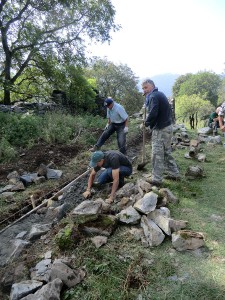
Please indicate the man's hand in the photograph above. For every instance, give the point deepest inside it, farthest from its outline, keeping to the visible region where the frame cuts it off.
(223, 128)
(87, 194)
(107, 126)
(125, 129)
(109, 200)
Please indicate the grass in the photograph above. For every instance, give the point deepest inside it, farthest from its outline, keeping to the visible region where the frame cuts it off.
(124, 269)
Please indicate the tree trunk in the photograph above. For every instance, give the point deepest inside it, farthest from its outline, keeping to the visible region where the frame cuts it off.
(192, 121)
(196, 119)
(6, 96)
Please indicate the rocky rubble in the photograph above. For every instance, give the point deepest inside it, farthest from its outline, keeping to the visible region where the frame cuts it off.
(136, 205)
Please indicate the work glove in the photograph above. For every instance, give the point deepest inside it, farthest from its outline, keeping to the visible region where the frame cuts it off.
(87, 194)
(107, 126)
(125, 129)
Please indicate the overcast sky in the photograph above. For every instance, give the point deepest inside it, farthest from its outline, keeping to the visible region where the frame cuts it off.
(168, 36)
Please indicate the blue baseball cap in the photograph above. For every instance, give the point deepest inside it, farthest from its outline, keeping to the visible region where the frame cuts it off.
(108, 101)
(96, 157)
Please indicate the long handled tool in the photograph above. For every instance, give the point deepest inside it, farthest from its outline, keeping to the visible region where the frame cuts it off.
(142, 165)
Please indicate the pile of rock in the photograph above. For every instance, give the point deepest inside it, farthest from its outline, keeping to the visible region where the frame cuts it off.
(141, 206)
(17, 182)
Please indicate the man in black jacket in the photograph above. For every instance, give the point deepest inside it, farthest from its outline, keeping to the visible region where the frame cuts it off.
(159, 119)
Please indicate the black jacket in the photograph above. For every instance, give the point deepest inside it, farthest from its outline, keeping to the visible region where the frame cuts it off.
(159, 111)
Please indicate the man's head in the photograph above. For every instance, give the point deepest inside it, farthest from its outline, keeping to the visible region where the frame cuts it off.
(147, 86)
(97, 159)
(109, 102)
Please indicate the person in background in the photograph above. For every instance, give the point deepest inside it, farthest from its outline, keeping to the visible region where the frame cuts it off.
(159, 119)
(221, 117)
(117, 122)
(214, 120)
(117, 166)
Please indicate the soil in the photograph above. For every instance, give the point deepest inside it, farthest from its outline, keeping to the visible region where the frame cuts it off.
(30, 160)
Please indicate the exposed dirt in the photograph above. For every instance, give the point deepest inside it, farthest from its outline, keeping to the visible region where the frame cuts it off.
(30, 160)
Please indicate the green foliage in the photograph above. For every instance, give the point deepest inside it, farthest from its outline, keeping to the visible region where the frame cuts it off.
(63, 29)
(58, 128)
(7, 152)
(20, 130)
(191, 105)
(204, 84)
(25, 130)
(116, 81)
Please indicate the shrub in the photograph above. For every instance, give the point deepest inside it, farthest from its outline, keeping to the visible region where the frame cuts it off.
(7, 152)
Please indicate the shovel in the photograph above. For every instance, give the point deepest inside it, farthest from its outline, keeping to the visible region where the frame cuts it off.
(144, 163)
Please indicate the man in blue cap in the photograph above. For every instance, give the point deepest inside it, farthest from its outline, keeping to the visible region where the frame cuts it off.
(117, 122)
(117, 166)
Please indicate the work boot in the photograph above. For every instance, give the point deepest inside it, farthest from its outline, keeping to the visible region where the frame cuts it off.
(172, 177)
(156, 183)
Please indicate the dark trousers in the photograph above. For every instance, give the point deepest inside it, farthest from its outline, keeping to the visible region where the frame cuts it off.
(106, 175)
(121, 136)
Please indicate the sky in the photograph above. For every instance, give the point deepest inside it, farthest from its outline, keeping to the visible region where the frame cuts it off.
(167, 36)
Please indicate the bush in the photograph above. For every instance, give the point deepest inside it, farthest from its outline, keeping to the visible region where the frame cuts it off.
(7, 152)
(21, 130)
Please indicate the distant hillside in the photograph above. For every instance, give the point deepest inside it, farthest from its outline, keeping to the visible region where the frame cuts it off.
(165, 82)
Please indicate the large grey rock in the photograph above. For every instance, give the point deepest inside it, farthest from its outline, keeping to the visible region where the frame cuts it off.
(176, 225)
(205, 130)
(170, 197)
(16, 246)
(147, 203)
(50, 291)
(99, 240)
(23, 288)
(127, 190)
(41, 270)
(152, 232)
(70, 277)
(86, 211)
(187, 240)
(103, 225)
(159, 219)
(38, 230)
(129, 216)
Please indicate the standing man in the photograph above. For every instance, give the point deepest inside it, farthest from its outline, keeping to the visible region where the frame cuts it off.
(159, 119)
(117, 166)
(117, 121)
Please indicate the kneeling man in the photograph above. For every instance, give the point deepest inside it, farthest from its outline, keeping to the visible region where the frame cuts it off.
(117, 166)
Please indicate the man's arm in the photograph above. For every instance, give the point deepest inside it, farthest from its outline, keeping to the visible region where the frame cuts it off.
(222, 127)
(91, 179)
(87, 193)
(116, 176)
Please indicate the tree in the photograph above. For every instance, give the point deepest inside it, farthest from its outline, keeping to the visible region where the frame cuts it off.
(116, 81)
(181, 79)
(31, 29)
(192, 108)
(204, 84)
